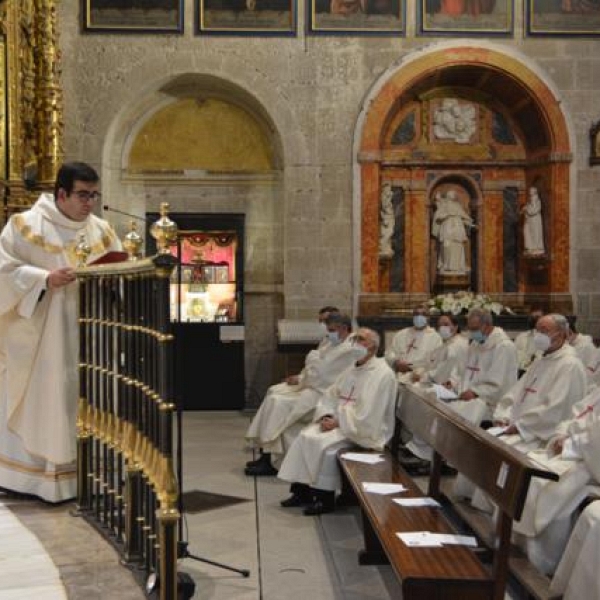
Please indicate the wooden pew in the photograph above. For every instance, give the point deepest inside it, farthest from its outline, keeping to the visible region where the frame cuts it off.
(503, 473)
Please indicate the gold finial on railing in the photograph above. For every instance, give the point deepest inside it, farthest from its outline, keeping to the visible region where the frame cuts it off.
(132, 242)
(82, 251)
(164, 231)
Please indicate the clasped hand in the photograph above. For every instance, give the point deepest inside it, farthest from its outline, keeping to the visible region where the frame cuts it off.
(60, 278)
(328, 423)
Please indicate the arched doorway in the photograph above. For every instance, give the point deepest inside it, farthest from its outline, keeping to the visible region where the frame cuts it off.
(482, 123)
(209, 147)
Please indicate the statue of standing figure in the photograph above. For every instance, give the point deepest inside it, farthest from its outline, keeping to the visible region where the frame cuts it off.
(387, 221)
(533, 229)
(450, 222)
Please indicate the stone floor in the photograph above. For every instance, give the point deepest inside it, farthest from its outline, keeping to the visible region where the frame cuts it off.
(290, 556)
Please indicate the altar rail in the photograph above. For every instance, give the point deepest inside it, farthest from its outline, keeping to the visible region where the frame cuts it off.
(126, 481)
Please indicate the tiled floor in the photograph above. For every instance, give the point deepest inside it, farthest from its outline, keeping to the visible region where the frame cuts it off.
(290, 556)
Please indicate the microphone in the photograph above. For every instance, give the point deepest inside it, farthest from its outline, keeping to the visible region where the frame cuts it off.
(121, 212)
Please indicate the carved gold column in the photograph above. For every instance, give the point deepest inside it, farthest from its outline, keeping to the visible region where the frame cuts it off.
(3, 115)
(33, 119)
(48, 101)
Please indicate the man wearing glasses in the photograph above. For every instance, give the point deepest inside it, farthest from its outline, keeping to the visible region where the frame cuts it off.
(38, 333)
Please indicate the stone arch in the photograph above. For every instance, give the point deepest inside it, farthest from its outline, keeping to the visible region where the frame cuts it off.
(483, 71)
(258, 195)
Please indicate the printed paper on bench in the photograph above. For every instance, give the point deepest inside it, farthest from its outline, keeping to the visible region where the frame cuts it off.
(383, 488)
(412, 502)
(433, 540)
(370, 459)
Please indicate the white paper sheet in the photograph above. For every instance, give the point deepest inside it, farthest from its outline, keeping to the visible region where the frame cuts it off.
(451, 539)
(383, 488)
(419, 539)
(496, 431)
(370, 459)
(427, 539)
(416, 502)
(443, 393)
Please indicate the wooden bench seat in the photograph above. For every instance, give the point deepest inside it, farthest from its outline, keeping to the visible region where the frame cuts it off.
(498, 470)
(450, 572)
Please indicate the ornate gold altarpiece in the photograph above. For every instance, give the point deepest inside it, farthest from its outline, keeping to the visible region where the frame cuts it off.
(31, 102)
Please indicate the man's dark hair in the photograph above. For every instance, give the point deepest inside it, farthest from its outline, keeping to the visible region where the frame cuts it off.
(71, 172)
(329, 309)
(339, 319)
(453, 319)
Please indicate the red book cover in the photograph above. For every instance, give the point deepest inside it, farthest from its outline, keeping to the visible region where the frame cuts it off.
(110, 257)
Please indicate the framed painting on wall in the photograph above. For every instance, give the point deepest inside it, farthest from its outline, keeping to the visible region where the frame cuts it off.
(563, 17)
(465, 17)
(246, 17)
(357, 17)
(132, 16)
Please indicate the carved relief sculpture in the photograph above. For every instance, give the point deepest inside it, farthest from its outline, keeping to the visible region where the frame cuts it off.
(387, 222)
(450, 222)
(533, 230)
(454, 121)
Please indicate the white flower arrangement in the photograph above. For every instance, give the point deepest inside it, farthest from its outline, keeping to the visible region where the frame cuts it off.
(463, 302)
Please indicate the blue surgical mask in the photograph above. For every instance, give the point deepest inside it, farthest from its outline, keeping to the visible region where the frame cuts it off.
(477, 336)
(334, 337)
(419, 321)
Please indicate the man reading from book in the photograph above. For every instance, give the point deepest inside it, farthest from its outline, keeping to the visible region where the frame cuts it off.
(38, 333)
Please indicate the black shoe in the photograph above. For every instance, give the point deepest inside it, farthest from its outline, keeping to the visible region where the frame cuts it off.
(296, 500)
(416, 466)
(262, 469)
(263, 457)
(318, 508)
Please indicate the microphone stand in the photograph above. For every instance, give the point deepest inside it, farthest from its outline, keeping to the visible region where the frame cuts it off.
(183, 545)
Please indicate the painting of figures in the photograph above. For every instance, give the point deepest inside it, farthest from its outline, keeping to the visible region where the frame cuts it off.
(563, 17)
(357, 17)
(157, 16)
(247, 17)
(465, 17)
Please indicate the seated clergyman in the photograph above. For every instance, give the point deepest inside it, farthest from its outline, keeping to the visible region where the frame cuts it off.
(288, 406)
(532, 409)
(551, 506)
(526, 350)
(358, 409)
(411, 347)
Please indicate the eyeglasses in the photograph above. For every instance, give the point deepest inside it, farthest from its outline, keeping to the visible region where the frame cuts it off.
(86, 196)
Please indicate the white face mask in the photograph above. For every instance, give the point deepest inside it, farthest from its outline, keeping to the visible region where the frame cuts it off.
(419, 321)
(360, 351)
(334, 337)
(541, 341)
(445, 332)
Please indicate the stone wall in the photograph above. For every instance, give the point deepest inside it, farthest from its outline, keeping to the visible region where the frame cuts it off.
(312, 89)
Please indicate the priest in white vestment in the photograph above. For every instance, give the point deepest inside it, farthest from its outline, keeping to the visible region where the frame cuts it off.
(38, 334)
(288, 407)
(526, 350)
(545, 395)
(551, 506)
(359, 409)
(576, 577)
(582, 343)
(490, 371)
(411, 347)
(445, 367)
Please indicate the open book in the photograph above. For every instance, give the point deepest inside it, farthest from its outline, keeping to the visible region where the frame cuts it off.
(110, 257)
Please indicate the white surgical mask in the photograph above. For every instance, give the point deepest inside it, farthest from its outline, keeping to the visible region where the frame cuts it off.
(334, 337)
(360, 351)
(541, 341)
(445, 332)
(419, 321)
